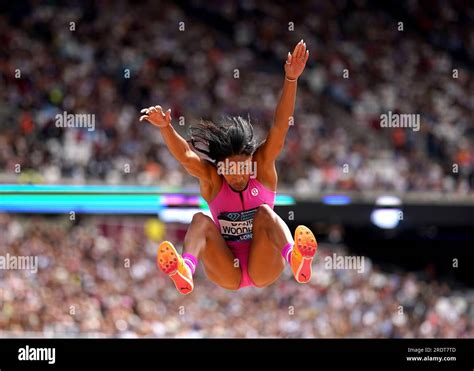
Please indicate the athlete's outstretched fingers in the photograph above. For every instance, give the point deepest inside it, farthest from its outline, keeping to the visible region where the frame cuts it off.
(168, 115)
(144, 117)
(144, 110)
(307, 56)
(295, 50)
(303, 52)
(289, 58)
(152, 109)
(300, 49)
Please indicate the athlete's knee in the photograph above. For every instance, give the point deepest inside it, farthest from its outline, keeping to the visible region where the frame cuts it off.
(198, 229)
(201, 218)
(263, 214)
(203, 223)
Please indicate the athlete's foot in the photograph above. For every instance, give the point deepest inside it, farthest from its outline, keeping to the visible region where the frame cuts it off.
(303, 253)
(172, 264)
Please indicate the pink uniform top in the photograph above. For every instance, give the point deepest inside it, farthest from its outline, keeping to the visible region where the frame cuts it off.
(233, 211)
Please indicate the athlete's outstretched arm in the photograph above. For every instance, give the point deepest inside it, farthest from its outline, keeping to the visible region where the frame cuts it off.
(177, 145)
(294, 67)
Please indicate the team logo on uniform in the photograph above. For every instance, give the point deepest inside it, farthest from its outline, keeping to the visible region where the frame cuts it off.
(233, 216)
(237, 225)
(254, 191)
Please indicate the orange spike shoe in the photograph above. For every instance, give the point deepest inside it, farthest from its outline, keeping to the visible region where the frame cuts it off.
(172, 264)
(303, 253)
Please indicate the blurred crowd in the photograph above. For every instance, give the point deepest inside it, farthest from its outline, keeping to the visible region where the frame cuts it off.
(97, 277)
(208, 59)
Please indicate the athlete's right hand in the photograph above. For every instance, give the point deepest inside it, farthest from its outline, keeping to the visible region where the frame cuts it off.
(155, 116)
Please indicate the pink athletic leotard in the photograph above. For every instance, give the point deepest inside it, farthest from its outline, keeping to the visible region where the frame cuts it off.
(233, 213)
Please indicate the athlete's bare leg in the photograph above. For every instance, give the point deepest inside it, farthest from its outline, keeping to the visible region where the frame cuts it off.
(270, 234)
(204, 241)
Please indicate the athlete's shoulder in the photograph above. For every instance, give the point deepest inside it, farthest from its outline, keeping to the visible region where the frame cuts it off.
(266, 171)
(210, 190)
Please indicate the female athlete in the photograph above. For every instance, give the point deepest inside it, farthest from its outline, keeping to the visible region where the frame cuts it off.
(246, 243)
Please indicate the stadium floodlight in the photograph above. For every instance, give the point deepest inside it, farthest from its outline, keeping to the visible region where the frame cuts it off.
(388, 200)
(180, 214)
(336, 200)
(386, 218)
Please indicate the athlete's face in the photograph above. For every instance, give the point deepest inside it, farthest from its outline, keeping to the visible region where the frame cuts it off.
(237, 171)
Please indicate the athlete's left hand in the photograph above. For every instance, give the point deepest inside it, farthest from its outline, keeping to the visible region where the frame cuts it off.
(296, 61)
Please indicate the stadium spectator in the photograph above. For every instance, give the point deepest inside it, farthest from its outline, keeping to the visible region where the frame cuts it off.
(98, 278)
(229, 64)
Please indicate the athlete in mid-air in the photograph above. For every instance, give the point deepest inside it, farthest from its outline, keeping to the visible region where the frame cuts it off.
(246, 243)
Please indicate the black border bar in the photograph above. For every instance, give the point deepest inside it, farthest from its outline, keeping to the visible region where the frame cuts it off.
(290, 354)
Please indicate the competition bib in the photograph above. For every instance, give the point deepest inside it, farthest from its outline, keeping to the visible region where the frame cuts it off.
(237, 225)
